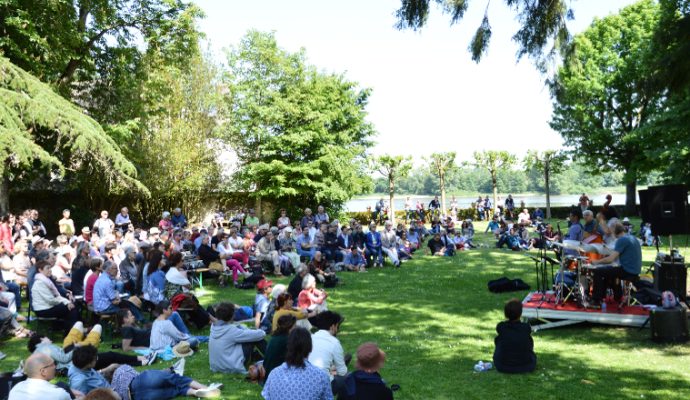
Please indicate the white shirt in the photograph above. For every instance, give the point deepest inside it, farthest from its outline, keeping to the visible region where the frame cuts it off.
(37, 389)
(225, 249)
(327, 353)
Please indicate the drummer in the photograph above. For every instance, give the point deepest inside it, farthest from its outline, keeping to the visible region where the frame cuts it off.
(575, 231)
(629, 254)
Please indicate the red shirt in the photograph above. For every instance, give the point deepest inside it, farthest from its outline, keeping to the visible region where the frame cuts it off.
(90, 283)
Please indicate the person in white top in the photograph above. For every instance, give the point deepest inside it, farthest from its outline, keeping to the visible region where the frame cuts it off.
(40, 369)
(327, 352)
(524, 218)
(389, 243)
(104, 225)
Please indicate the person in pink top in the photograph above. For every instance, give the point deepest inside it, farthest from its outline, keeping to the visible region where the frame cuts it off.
(96, 268)
(310, 297)
(165, 223)
(6, 233)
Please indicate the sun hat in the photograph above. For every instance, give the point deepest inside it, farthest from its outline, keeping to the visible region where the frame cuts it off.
(154, 231)
(85, 230)
(183, 349)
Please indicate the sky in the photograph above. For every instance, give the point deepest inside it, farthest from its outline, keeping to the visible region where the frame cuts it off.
(427, 93)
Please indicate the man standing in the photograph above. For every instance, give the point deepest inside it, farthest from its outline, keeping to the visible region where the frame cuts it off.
(629, 254)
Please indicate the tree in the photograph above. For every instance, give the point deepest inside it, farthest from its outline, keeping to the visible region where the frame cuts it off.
(542, 22)
(392, 168)
(175, 145)
(440, 164)
(494, 161)
(299, 134)
(603, 94)
(38, 128)
(64, 42)
(547, 162)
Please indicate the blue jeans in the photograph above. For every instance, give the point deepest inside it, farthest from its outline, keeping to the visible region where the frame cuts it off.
(113, 309)
(372, 252)
(306, 253)
(156, 384)
(14, 288)
(176, 320)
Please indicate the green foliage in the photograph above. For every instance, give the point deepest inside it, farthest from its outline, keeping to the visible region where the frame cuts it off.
(392, 168)
(542, 23)
(299, 134)
(37, 125)
(494, 161)
(603, 93)
(70, 42)
(547, 162)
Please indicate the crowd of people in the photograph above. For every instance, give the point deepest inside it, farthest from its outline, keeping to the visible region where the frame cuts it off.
(114, 269)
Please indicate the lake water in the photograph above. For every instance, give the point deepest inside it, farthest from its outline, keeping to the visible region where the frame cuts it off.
(531, 201)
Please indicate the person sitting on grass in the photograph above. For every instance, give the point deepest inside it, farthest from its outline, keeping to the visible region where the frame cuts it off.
(277, 346)
(40, 370)
(437, 247)
(327, 352)
(136, 338)
(165, 333)
(365, 382)
(232, 346)
(297, 378)
(75, 338)
(311, 298)
(262, 300)
(514, 345)
(284, 306)
(354, 261)
(295, 286)
(129, 384)
(319, 267)
(413, 237)
(510, 239)
(493, 227)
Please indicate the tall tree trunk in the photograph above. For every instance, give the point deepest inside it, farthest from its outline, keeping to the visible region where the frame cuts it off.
(495, 190)
(4, 194)
(257, 203)
(442, 184)
(391, 196)
(630, 195)
(548, 192)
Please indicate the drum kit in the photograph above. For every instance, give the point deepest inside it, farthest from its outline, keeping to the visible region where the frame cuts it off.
(575, 276)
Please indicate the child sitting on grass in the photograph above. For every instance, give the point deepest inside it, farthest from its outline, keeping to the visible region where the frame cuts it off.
(514, 345)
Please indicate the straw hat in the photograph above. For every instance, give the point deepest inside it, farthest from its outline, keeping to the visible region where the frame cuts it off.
(182, 349)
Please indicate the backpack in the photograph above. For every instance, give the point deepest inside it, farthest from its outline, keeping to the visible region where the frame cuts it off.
(504, 284)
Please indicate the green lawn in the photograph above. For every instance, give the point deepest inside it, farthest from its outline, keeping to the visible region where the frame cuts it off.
(435, 318)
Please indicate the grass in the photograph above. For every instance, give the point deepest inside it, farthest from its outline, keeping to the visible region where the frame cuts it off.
(434, 317)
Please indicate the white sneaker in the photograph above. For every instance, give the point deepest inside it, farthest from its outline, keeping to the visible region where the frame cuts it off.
(207, 393)
(216, 385)
(178, 367)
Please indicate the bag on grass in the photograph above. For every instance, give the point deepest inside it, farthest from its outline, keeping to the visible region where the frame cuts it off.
(504, 284)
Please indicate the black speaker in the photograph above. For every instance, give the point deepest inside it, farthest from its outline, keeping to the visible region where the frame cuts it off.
(672, 277)
(666, 208)
(669, 325)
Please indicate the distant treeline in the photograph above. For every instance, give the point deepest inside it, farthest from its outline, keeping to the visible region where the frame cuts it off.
(575, 179)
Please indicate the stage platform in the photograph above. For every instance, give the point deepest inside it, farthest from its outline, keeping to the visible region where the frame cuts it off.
(542, 307)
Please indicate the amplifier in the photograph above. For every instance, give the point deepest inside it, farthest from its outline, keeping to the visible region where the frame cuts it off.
(671, 276)
(669, 325)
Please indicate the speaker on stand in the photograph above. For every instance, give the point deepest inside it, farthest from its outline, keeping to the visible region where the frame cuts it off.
(666, 208)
